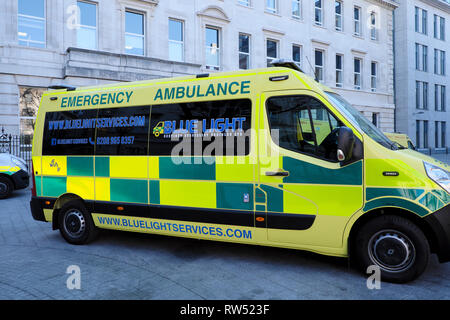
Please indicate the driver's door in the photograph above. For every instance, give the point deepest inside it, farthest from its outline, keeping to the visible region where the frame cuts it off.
(308, 195)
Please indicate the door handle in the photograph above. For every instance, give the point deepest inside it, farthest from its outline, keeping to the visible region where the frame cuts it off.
(279, 173)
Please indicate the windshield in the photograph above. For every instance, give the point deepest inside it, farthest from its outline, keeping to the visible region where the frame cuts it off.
(358, 119)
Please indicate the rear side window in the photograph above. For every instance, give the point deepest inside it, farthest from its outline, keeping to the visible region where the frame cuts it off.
(69, 133)
(210, 128)
(122, 131)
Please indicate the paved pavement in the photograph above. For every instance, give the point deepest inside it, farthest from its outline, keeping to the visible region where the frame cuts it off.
(119, 265)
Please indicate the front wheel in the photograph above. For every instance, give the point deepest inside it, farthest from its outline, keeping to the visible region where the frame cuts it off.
(75, 223)
(395, 245)
(6, 187)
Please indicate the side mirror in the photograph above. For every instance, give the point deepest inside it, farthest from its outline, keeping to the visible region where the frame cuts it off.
(346, 142)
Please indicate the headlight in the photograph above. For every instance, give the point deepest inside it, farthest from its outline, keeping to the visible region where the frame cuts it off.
(19, 163)
(438, 175)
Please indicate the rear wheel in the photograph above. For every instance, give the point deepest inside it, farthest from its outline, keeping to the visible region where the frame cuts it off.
(6, 187)
(394, 244)
(76, 224)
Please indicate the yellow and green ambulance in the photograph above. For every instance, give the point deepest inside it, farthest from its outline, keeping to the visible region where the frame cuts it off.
(13, 174)
(265, 156)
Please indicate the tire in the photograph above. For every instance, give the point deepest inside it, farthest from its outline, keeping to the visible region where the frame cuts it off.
(75, 223)
(394, 244)
(6, 187)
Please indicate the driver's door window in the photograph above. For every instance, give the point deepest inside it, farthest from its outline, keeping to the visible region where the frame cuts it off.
(304, 125)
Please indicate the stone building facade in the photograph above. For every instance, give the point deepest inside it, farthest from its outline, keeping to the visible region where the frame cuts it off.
(422, 73)
(347, 43)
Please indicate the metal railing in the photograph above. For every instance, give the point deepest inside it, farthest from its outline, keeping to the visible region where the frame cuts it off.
(17, 145)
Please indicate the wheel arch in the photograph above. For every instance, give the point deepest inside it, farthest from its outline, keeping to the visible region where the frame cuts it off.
(411, 216)
(60, 202)
(3, 175)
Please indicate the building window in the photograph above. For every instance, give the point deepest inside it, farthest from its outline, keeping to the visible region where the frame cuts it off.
(319, 65)
(357, 74)
(338, 15)
(443, 134)
(272, 6)
(418, 133)
(373, 26)
(297, 54)
(244, 51)
(421, 95)
(376, 119)
(339, 71)
(421, 57)
(245, 3)
(176, 40)
(212, 45)
(424, 22)
(318, 12)
(425, 134)
(271, 51)
(134, 33)
(439, 97)
(441, 29)
(421, 20)
(297, 9)
(87, 30)
(31, 23)
(416, 19)
(436, 134)
(373, 76)
(439, 62)
(28, 108)
(357, 21)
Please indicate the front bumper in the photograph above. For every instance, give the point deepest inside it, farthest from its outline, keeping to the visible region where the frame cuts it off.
(21, 179)
(37, 210)
(439, 222)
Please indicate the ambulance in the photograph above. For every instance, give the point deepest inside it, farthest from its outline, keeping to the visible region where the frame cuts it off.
(266, 157)
(13, 174)
(402, 139)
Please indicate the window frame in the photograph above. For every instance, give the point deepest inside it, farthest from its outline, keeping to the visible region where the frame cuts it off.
(321, 67)
(245, 3)
(374, 77)
(274, 9)
(356, 74)
(373, 26)
(143, 35)
(218, 48)
(300, 48)
(341, 71)
(357, 22)
(42, 19)
(177, 41)
(90, 27)
(299, 3)
(277, 47)
(244, 53)
(330, 113)
(339, 16)
(320, 10)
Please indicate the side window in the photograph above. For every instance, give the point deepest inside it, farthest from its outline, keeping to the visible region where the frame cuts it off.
(204, 128)
(304, 125)
(123, 131)
(69, 133)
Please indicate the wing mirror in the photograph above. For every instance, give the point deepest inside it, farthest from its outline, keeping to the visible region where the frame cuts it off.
(346, 142)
